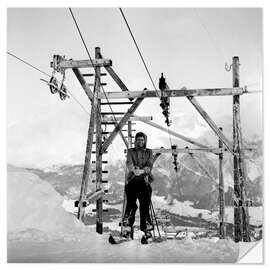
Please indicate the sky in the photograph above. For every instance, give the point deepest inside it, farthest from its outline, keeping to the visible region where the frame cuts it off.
(189, 45)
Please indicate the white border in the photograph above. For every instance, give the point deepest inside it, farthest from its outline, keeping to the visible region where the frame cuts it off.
(252, 256)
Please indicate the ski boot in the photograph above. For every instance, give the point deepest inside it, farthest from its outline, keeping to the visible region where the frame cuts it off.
(145, 237)
(149, 226)
(127, 230)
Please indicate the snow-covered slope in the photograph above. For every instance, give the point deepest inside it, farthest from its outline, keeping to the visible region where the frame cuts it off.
(40, 230)
(34, 210)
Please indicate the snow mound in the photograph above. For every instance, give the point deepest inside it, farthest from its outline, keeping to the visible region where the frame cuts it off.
(34, 210)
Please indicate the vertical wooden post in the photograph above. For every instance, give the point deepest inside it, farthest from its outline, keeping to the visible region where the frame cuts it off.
(87, 161)
(241, 164)
(236, 165)
(126, 174)
(221, 193)
(129, 134)
(99, 206)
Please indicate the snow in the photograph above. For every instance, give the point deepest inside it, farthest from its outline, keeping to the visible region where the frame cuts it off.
(180, 208)
(255, 213)
(40, 230)
(34, 210)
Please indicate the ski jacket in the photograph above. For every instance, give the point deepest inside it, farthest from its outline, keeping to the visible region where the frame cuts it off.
(141, 158)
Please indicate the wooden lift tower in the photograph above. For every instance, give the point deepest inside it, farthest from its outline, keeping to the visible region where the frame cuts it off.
(103, 139)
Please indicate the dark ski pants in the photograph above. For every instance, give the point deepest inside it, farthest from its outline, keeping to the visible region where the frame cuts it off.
(138, 189)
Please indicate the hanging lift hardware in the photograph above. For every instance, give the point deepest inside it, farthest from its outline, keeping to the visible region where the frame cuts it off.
(53, 83)
(175, 155)
(165, 100)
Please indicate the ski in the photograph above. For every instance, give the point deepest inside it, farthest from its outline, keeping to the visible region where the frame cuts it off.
(118, 239)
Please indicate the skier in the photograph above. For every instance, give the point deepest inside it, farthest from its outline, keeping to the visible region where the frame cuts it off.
(139, 164)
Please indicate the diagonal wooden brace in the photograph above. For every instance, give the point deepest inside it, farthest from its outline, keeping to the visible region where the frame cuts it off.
(116, 79)
(123, 137)
(211, 123)
(83, 83)
(173, 133)
(122, 122)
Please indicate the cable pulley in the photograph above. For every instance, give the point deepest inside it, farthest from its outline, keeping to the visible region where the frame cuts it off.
(53, 85)
(63, 92)
(165, 101)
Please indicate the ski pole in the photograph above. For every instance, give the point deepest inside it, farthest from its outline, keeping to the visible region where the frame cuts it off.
(152, 218)
(151, 206)
(155, 217)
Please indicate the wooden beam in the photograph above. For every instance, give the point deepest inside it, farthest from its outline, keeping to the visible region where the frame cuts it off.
(173, 133)
(116, 78)
(99, 202)
(65, 64)
(123, 137)
(122, 122)
(216, 151)
(87, 161)
(83, 83)
(176, 93)
(132, 118)
(211, 123)
(129, 134)
(241, 215)
(238, 233)
(221, 194)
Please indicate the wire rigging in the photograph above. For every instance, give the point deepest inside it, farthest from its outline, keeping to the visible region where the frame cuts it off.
(43, 72)
(85, 46)
(27, 63)
(134, 40)
(218, 48)
(147, 70)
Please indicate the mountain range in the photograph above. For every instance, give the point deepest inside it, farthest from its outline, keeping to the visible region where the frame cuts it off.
(189, 183)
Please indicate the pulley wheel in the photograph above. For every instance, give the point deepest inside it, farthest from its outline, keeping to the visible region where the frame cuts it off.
(53, 85)
(63, 90)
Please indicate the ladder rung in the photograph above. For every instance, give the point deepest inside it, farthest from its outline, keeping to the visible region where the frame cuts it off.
(109, 123)
(103, 161)
(104, 132)
(88, 74)
(127, 130)
(104, 210)
(92, 74)
(109, 113)
(103, 181)
(105, 171)
(94, 152)
(92, 84)
(117, 103)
